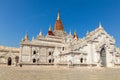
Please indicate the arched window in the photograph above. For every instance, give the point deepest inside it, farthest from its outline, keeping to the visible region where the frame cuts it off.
(34, 60)
(103, 57)
(50, 53)
(81, 60)
(9, 61)
(34, 52)
(102, 52)
(63, 48)
(50, 61)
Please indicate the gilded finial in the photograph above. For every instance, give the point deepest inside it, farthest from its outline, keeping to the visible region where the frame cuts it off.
(75, 33)
(58, 17)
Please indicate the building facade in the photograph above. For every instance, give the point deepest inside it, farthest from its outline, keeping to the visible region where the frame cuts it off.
(8, 55)
(97, 48)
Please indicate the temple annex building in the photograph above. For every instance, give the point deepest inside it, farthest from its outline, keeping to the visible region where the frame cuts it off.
(97, 48)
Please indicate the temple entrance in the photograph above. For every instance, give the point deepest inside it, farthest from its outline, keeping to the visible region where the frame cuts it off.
(103, 57)
(9, 61)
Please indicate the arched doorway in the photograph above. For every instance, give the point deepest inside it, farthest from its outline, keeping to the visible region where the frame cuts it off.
(9, 61)
(103, 57)
(34, 60)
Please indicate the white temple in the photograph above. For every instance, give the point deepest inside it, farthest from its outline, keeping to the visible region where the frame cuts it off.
(97, 48)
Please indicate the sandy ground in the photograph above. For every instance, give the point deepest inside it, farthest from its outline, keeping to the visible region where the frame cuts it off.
(57, 73)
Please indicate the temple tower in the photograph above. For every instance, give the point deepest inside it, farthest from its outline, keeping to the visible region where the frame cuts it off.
(58, 25)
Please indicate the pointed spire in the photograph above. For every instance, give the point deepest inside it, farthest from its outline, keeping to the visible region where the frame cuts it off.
(100, 25)
(40, 34)
(75, 35)
(50, 31)
(58, 25)
(26, 36)
(58, 17)
(50, 28)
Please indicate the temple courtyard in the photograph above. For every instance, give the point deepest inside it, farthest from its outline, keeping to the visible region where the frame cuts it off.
(57, 73)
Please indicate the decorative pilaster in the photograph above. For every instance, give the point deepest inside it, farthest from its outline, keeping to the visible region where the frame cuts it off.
(20, 55)
(39, 54)
(46, 54)
(30, 53)
(91, 53)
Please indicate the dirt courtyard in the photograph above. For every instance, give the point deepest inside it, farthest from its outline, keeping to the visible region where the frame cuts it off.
(57, 73)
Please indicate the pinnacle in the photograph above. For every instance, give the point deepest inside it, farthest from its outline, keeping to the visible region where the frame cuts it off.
(100, 25)
(58, 17)
(50, 28)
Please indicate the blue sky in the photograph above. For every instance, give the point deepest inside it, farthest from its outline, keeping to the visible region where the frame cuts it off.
(20, 16)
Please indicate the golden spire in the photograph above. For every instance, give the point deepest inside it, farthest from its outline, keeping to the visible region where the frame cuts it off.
(75, 33)
(58, 17)
(58, 25)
